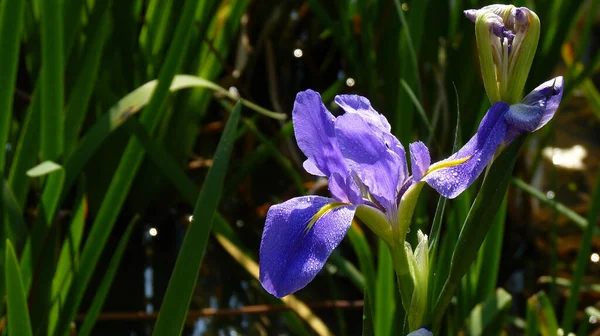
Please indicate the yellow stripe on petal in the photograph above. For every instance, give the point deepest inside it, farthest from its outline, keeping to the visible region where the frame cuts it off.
(322, 212)
(446, 164)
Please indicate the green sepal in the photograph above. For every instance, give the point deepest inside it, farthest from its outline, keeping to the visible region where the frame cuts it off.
(486, 58)
(518, 75)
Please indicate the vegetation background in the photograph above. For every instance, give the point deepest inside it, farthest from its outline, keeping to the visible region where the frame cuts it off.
(106, 154)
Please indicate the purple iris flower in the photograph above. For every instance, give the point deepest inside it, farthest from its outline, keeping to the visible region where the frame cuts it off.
(367, 171)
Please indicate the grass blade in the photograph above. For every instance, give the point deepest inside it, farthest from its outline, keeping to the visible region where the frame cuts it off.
(555, 205)
(16, 302)
(489, 316)
(183, 279)
(11, 24)
(109, 275)
(546, 318)
(52, 82)
(582, 261)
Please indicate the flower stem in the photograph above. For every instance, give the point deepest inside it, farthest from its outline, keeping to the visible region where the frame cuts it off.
(405, 279)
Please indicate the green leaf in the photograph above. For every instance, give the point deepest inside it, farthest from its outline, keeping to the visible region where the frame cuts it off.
(43, 168)
(68, 259)
(582, 261)
(487, 318)
(16, 301)
(546, 318)
(109, 275)
(183, 279)
(16, 230)
(477, 225)
(11, 24)
(52, 81)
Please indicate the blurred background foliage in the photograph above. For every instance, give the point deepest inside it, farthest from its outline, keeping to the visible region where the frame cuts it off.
(94, 230)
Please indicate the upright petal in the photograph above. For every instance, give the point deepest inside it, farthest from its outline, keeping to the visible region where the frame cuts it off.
(452, 176)
(368, 155)
(298, 237)
(315, 134)
(377, 123)
(419, 159)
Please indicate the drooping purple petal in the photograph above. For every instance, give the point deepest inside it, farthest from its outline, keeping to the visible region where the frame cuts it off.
(419, 159)
(367, 155)
(377, 123)
(535, 110)
(479, 150)
(548, 95)
(291, 254)
(315, 134)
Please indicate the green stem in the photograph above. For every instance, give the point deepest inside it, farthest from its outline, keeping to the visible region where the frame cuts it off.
(405, 279)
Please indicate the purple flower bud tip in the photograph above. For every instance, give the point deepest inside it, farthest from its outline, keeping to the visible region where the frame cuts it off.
(497, 28)
(471, 14)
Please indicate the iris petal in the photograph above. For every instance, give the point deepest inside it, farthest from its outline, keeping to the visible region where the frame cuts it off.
(548, 94)
(535, 110)
(419, 159)
(377, 123)
(367, 155)
(478, 151)
(315, 135)
(291, 252)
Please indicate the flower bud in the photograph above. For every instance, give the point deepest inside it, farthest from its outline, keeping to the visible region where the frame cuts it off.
(507, 39)
(419, 269)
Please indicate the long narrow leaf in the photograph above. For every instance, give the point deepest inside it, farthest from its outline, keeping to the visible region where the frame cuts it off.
(11, 24)
(52, 91)
(546, 318)
(16, 302)
(183, 279)
(489, 313)
(109, 275)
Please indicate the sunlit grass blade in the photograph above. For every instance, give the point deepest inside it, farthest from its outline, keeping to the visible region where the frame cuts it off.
(546, 318)
(11, 24)
(43, 168)
(107, 279)
(582, 261)
(16, 302)
(477, 225)
(185, 273)
(52, 81)
(489, 316)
